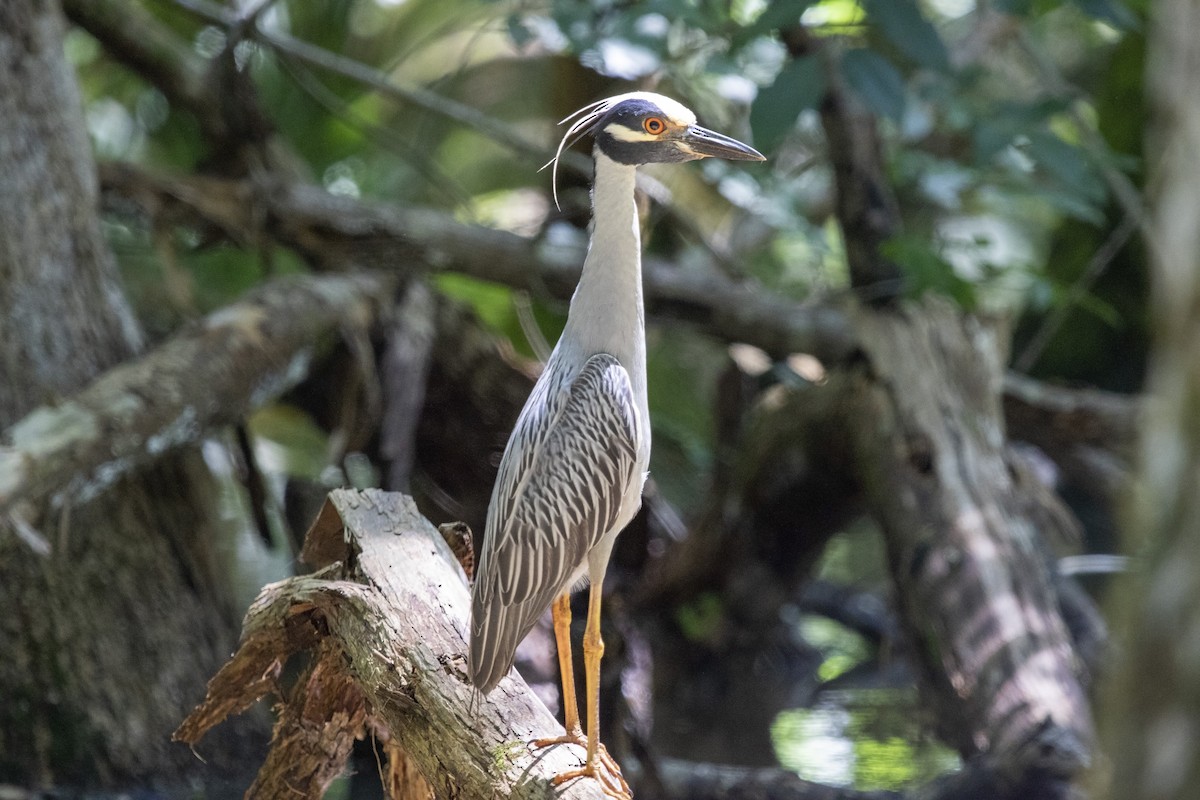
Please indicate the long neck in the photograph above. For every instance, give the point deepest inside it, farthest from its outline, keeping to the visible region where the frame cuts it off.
(606, 312)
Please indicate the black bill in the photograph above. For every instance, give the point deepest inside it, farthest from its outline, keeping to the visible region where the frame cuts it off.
(704, 143)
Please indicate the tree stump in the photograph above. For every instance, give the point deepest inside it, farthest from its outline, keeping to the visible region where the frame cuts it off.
(380, 630)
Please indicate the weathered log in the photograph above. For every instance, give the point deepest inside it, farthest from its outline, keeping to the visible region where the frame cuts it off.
(382, 623)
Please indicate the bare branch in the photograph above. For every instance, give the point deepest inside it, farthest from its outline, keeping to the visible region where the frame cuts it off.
(1090, 434)
(334, 230)
(236, 360)
(865, 204)
(496, 131)
(1055, 417)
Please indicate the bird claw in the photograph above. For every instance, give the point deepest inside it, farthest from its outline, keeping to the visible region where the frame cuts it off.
(605, 769)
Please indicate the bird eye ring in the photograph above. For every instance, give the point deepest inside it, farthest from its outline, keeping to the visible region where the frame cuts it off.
(654, 126)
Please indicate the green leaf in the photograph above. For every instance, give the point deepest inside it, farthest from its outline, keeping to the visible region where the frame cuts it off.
(1068, 165)
(993, 135)
(907, 28)
(1004, 122)
(1071, 204)
(301, 447)
(800, 85)
(875, 80)
(700, 619)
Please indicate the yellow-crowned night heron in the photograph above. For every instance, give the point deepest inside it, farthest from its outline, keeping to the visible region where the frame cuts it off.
(572, 474)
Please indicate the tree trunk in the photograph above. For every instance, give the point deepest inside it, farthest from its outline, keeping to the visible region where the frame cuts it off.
(107, 637)
(1154, 710)
(967, 537)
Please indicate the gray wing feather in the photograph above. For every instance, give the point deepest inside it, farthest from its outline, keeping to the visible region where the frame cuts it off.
(559, 490)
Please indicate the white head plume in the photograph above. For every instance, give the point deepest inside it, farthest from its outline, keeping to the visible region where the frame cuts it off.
(583, 121)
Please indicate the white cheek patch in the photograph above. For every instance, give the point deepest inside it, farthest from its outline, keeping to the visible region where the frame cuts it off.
(623, 134)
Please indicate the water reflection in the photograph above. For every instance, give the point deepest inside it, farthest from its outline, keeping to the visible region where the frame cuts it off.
(865, 738)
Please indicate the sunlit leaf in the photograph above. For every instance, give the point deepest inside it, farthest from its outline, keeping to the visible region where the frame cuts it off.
(876, 81)
(907, 28)
(868, 738)
(490, 301)
(883, 763)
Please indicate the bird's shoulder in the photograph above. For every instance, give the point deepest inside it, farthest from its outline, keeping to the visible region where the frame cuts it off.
(578, 423)
(569, 395)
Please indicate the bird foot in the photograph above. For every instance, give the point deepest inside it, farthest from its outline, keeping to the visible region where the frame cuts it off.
(604, 769)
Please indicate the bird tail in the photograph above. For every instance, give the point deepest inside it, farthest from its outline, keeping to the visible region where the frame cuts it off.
(496, 630)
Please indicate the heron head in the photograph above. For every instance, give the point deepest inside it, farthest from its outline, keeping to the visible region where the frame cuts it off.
(646, 128)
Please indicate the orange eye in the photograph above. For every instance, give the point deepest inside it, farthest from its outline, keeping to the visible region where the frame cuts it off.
(654, 126)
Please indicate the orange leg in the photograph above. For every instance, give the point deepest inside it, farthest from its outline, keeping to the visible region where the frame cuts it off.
(599, 764)
(561, 611)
